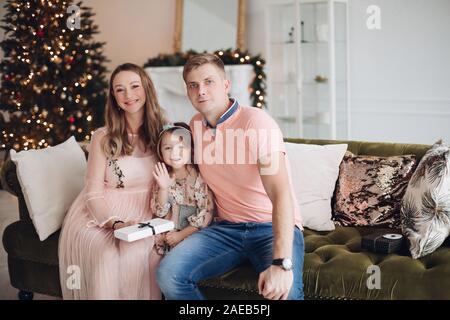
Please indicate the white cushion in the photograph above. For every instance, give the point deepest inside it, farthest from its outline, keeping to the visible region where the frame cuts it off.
(314, 171)
(51, 179)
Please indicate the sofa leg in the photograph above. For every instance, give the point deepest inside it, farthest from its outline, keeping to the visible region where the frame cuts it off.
(25, 295)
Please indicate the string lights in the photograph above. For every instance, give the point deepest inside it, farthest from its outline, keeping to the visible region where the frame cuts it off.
(229, 57)
(53, 78)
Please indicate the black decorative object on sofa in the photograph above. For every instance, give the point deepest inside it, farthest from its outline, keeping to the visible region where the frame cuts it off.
(382, 242)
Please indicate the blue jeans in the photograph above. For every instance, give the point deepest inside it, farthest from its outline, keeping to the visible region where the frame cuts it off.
(219, 248)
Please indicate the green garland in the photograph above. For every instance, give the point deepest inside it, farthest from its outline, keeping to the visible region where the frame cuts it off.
(229, 57)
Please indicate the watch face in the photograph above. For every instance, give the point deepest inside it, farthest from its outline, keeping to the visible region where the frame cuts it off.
(287, 264)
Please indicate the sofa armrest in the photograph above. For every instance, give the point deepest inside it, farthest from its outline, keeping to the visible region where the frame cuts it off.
(10, 183)
(9, 178)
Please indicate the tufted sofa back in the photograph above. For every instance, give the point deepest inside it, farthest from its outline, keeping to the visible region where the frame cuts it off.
(372, 148)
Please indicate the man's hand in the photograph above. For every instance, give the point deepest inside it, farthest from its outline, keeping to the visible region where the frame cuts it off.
(275, 283)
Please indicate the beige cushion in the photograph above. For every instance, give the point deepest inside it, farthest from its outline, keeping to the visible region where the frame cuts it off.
(314, 170)
(50, 179)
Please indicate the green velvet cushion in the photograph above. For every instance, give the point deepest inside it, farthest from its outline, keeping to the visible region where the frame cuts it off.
(373, 148)
(233, 284)
(336, 268)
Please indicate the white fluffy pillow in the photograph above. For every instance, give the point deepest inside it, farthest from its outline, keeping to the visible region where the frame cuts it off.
(51, 179)
(314, 171)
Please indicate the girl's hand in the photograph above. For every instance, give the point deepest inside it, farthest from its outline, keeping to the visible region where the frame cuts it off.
(160, 243)
(173, 238)
(162, 176)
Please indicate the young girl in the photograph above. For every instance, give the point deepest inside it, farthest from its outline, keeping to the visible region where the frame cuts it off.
(122, 156)
(179, 194)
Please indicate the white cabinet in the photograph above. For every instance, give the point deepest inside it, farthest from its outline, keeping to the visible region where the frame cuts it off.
(307, 67)
(171, 89)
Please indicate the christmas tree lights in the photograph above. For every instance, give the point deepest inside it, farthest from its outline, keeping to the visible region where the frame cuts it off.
(52, 74)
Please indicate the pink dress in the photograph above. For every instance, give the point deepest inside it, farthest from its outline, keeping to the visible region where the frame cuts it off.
(93, 263)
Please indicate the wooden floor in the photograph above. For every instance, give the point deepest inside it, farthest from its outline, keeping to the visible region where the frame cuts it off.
(9, 213)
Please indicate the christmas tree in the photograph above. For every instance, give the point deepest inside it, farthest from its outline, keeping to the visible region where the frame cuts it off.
(52, 75)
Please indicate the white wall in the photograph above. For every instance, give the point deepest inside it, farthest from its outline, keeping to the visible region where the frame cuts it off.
(134, 30)
(400, 74)
(203, 18)
(400, 88)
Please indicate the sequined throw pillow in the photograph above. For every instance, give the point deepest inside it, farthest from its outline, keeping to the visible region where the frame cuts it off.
(425, 212)
(370, 189)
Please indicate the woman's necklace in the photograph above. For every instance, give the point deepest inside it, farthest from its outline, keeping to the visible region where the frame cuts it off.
(132, 135)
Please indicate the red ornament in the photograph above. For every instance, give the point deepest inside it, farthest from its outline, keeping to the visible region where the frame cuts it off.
(69, 59)
(71, 119)
(7, 77)
(40, 33)
(17, 97)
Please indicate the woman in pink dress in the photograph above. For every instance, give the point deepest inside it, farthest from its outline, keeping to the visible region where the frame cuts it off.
(93, 264)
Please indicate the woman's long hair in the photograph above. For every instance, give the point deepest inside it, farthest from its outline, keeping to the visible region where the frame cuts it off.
(116, 142)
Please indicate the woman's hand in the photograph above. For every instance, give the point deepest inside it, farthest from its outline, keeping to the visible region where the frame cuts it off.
(162, 176)
(173, 238)
(125, 224)
(119, 225)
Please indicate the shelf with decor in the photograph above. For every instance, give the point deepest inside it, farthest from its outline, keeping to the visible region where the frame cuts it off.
(307, 67)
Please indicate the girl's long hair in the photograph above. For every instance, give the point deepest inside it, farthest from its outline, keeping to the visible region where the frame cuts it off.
(116, 143)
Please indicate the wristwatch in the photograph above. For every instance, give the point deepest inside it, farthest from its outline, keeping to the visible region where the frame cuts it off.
(284, 263)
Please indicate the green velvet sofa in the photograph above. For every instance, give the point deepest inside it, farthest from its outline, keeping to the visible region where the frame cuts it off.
(335, 265)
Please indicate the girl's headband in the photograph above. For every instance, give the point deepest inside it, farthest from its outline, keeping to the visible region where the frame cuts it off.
(165, 128)
(170, 126)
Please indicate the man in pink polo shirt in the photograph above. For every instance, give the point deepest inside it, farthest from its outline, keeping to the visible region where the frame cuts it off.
(241, 156)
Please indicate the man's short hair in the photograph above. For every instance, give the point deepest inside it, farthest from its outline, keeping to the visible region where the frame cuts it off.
(201, 59)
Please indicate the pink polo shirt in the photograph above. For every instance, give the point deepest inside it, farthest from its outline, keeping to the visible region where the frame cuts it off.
(227, 159)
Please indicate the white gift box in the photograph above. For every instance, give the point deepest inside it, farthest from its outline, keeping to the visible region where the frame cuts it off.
(144, 229)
